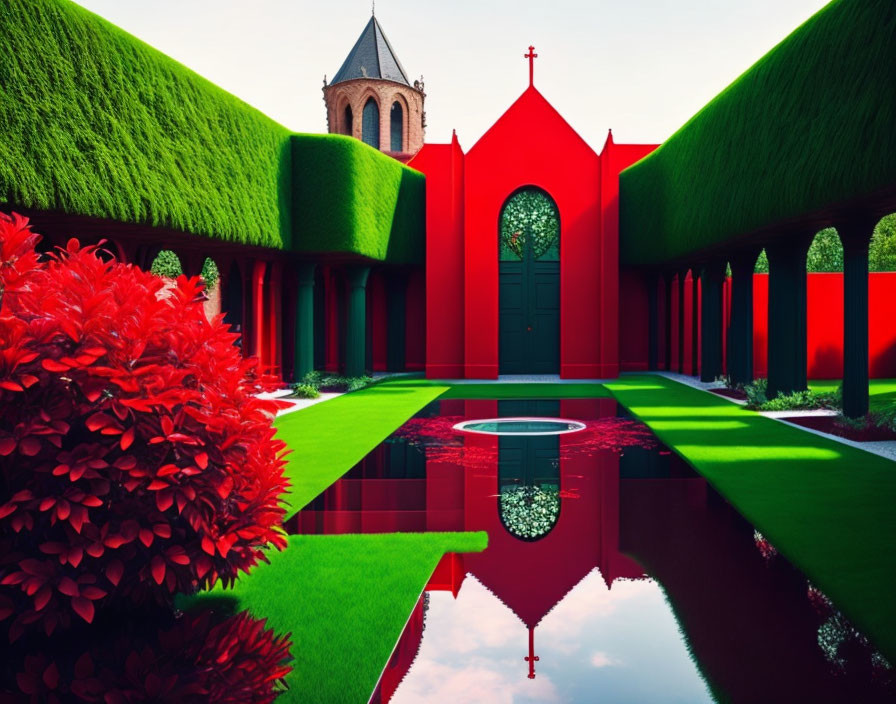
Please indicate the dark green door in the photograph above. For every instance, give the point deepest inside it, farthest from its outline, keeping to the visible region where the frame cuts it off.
(529, 285)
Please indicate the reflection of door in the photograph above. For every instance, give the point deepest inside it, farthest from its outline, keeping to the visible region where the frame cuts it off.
(528, 459)
(529, 285)
(529, 473)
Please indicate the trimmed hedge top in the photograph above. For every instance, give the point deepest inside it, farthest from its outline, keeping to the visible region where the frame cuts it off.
(94, 122)
(350, 197)
(809, 125)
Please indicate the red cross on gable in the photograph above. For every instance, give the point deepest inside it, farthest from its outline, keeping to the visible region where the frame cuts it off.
(531, 56)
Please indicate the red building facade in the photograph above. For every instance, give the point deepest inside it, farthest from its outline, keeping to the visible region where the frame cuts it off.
(465, 196)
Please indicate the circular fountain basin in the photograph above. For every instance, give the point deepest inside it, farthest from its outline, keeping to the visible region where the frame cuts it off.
(520, 426)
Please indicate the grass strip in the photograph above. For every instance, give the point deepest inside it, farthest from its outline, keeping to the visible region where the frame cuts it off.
(329, 438)
(345, 599)
(514, 390)
(880, 391)
(825, 506)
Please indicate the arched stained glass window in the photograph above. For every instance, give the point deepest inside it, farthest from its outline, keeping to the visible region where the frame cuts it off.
(347, 120)
(370, 124)
(396, 127)
(530, 227)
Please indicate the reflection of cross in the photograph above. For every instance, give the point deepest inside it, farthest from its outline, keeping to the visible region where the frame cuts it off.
(532, 658)
(531, 56)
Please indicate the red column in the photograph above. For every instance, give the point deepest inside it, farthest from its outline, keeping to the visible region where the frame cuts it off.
(415, 323)
(376, 318)
(258, 346)
(331, 297)
(273, 322)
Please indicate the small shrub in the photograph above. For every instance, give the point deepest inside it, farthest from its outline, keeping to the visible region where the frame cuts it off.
(312, 378)
(756, 393)
(884, 417)
(797, 401)
(167, 265)
(305, 391)
(335, 383)
(209, 274)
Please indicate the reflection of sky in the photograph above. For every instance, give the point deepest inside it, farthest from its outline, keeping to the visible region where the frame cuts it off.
(619, 645)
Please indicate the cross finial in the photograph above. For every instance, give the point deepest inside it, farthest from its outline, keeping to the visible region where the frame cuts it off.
(373, 8)
(531, 56)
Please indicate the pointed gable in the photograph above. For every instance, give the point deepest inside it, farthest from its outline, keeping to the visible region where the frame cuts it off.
(531, 122)
(372, 56)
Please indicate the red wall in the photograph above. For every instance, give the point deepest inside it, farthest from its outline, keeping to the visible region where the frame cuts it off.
(443, 165)
(613, 159)
(825, 325)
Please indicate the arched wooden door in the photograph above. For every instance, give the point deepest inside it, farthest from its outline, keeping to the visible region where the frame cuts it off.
(529, 284)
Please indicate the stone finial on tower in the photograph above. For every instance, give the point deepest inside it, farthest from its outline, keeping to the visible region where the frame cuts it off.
(371, 99)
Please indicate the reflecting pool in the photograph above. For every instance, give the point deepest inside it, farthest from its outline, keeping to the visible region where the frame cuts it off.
(613, 573)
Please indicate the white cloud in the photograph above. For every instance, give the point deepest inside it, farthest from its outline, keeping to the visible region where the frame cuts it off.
(601, 659)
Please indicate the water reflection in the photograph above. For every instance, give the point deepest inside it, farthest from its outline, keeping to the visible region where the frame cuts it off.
(621, 576)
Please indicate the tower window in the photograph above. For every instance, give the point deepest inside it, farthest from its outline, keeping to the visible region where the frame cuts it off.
(348, 119)
(370, 124)
(396, 127)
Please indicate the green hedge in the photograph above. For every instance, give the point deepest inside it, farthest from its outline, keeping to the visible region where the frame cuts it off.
(94, 122)
(351, 198)
(809, 125)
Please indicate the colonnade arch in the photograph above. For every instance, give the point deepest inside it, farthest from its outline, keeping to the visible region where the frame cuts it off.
(700, 295)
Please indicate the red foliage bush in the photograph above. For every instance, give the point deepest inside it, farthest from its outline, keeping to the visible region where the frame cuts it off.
(196, 659)
(134, 459)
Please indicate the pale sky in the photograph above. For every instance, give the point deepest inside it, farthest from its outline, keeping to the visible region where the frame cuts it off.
(640, 67)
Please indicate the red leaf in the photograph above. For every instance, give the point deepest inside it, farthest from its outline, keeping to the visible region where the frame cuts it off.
(7, 445)
(114, 570)
(28, 380)
(201, 459)
(51, 365)
(29, 446)
(98, 421)
(92, 593)
(51, 676)
(127, 438)
(83, 607)
(163, 530)
(225, 487)
(164, 499)
(42, 597)
(158, 569)
(145, 536)
(68, 587)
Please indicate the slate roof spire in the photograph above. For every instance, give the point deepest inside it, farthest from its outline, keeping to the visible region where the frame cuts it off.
(372, 57)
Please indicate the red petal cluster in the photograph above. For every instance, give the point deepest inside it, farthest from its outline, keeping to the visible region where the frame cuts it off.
(135, 459)
(197, 659)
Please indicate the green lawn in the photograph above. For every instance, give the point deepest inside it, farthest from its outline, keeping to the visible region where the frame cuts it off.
(502, 391)
(330, 438)
(881, 391)
(345, 599)
(828, 507)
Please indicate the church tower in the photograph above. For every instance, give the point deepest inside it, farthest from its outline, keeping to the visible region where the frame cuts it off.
(371, 98)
